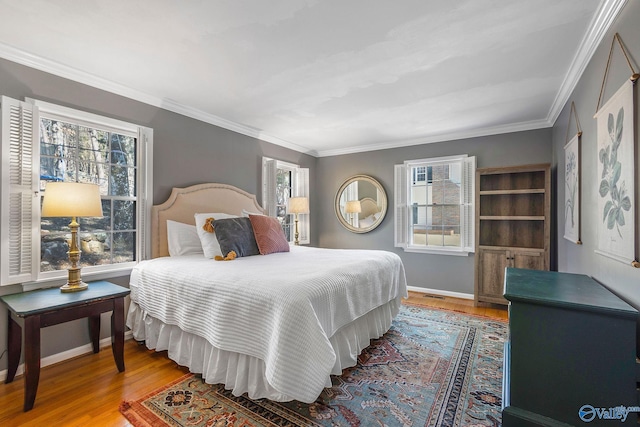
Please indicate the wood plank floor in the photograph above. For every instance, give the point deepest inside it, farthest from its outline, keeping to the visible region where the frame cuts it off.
(87, 390)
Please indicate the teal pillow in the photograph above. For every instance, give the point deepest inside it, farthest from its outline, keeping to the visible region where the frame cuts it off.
(236, 234)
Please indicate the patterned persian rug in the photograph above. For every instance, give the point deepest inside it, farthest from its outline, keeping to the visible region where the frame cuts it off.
(432, 368)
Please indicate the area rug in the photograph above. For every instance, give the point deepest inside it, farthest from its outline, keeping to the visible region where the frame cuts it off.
(432, 368)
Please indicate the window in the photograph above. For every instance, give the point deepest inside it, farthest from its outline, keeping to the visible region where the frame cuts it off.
(434, 205)
(419, 174)
(48, 143)
(280, 181)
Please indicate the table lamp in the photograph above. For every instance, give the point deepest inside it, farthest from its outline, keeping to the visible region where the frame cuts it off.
(298, 205)
(72, 199)
(353, 207)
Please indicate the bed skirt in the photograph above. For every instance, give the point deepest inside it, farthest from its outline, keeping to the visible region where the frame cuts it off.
(245, 374)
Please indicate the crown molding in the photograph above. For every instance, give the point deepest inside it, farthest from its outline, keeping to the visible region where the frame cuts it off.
(194, 113)
(58, 69)
(52, 67)
(474, 133)
(602, 21)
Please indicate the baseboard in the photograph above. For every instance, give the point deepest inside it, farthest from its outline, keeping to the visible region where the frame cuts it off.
(66, 355)
(440, 292)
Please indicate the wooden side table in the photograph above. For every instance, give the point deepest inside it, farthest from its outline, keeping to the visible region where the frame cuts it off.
(34, 310)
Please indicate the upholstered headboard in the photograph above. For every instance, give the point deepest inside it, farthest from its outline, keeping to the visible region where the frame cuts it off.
(183, 203)
(368, 207)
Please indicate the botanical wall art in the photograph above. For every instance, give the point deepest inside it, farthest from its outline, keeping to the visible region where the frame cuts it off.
(615, 166)
(572, 189)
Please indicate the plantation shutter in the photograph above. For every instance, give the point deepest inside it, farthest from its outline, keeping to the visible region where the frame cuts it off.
(20, 198)
(145, 191)
(302, 190)
(468, 203)
(400, 210)
(269, 172)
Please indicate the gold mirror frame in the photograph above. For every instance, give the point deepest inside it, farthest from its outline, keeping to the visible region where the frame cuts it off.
(367, 212)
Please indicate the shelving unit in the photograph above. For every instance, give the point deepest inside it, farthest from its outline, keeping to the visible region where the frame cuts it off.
(512, 225)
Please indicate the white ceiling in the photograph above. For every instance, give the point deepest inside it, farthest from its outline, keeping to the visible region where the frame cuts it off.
(323, 76)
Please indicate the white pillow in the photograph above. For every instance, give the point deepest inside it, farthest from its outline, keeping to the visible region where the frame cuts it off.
(182, 239)
(246, 213)
(208, 241)
(366, 222)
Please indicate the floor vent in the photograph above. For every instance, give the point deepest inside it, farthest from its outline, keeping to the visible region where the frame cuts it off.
(434, 296)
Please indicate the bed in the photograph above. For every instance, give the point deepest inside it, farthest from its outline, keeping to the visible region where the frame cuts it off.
(273, 326)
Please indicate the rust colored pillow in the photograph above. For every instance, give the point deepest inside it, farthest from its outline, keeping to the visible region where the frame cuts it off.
(269, 234)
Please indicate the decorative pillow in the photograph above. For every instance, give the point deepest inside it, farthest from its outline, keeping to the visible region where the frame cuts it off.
(269, 234)
(236, 234)
(183, 239)
(208, 241)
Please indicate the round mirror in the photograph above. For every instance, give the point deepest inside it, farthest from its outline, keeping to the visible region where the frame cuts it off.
(361, 204)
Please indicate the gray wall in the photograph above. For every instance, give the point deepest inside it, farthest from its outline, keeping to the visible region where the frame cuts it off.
(621, 278)
(444, 272)
(186, 152)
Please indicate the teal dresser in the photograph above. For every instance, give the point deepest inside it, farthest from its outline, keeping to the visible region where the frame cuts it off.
(571, 354)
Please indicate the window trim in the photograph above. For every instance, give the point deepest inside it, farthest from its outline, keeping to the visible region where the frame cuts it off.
(299, 188)
(83, 117)
(402, 219)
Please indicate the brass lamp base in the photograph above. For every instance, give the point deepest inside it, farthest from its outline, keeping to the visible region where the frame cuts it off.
(74, 288)
(296, 241)
(74, 281)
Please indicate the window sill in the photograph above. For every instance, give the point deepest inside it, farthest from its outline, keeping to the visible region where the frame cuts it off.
(87, 277)
(434, 251)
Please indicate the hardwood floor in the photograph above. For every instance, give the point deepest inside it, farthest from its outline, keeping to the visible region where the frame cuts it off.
(87, 390)
(494, 311)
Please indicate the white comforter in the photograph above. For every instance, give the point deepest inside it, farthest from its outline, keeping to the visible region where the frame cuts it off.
(280, 308)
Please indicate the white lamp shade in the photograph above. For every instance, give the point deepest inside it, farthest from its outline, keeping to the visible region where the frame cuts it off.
(71, 199)
(298, 205)
(353, 206)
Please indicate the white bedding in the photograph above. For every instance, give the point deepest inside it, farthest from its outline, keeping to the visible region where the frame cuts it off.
(282, 309)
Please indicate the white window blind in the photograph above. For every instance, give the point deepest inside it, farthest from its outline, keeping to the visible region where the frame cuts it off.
(145, 192)
(269, 171)
(468, 203)
(400, 215)
(20, 207)
(302, 190)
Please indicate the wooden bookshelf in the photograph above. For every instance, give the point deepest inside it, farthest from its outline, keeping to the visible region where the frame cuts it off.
(512, 225)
